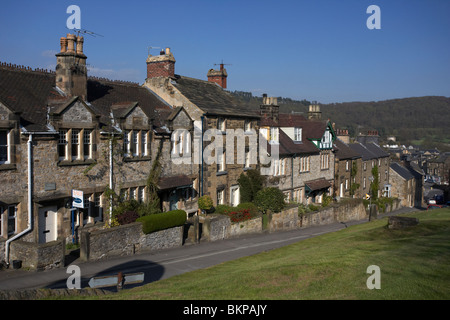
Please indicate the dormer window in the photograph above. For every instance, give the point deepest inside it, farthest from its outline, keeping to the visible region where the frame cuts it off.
(135, 143)
(75, 144)
(298, 134)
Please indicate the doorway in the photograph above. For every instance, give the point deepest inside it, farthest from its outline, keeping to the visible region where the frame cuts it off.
(47, 224)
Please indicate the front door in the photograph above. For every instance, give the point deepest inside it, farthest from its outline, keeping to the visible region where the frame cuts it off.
(234, 196)
(173, 200)
(47, 224)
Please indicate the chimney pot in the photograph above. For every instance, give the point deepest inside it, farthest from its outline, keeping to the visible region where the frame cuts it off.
(71, 43)
(80, 41)
(63, 43)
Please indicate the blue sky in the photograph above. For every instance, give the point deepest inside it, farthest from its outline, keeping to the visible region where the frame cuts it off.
(316, 49)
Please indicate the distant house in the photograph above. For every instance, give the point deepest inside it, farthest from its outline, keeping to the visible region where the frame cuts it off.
(348, 171)
(305, 170)
(373, 156)
(403, 185)
(437, 168)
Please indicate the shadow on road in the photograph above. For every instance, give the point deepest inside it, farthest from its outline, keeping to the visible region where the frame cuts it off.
(152, 272)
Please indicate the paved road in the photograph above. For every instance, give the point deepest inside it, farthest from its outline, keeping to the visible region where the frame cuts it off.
(167, 263)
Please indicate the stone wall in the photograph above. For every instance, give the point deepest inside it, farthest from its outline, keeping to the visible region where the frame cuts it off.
(38, 256)
(126, 240)
(286, 220)
(246, 227)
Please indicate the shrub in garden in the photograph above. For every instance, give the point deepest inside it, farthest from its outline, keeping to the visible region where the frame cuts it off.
(270, 199)
(240, 215)
(250, 206)
(223, 209)
(161, 221)
(127, 217)
(205, 203)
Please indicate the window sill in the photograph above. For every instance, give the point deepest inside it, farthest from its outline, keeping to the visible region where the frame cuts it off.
(7, 166)
(80, 162)
(221, 173)
(136, 158)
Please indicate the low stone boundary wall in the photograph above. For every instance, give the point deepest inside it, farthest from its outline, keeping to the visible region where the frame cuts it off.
(126, 240)
(289, 219)
(217, 227)
(35, 256)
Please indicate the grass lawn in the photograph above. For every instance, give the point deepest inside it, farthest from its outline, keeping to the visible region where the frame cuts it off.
(414, 264)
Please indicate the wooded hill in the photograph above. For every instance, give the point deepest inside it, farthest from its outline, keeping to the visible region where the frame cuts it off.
(421, 121)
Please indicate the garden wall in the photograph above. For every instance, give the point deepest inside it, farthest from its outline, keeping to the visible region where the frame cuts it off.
(126, 240)
(218, 227)
(35, 256)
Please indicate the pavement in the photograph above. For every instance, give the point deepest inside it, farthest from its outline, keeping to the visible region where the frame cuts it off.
(170, 262)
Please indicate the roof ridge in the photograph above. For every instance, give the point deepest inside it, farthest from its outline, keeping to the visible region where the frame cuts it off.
(122, 82)
(15, 67)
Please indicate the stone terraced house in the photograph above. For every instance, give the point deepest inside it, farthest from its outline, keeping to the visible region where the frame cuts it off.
(214, 115)
(305, 169)
(63, 131)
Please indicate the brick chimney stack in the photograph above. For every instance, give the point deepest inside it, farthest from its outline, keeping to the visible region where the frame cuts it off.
(218, 76)
(71, 70)
(162, 65)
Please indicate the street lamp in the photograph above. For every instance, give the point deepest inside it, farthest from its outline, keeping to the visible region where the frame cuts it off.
(370, 198)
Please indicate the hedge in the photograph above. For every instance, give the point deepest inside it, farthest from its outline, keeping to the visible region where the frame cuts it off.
(161, 221)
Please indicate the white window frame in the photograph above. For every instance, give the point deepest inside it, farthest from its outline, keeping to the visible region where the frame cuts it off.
(75, 141)
(274, 135)
(8, 147)
(127, 143)
(220, 196)
(247, 126)
(1, 221)
(221, 162)
(297, 134)
(221, 125)
(144, 143)
(13, 217)
(87, 144)
(135, 143)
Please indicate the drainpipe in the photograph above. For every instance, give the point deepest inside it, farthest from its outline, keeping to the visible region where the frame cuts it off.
(201, 179)
(110, 175)
(30, 201)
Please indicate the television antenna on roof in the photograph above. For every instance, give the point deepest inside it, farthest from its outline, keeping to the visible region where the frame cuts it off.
(150, 48)
(222, 64)
(84, 31)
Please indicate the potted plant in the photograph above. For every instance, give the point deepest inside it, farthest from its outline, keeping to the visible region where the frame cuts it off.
(205, 203)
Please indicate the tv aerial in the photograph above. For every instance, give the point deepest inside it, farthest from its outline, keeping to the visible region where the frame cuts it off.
(151, 48)
(84, 31)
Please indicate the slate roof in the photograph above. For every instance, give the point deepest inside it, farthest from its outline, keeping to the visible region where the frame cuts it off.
(33, 94)
(27, 92)
(211, 98)
(376, 150)
(368, 151)
(103, 94)
(174, 182)
(318, 184)
(402, 171)
(343, 151)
